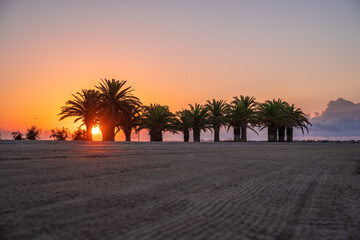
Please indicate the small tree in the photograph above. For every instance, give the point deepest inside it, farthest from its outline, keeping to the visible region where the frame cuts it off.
(79, 135)
(33, 133)
(60, 134)
(17, 135)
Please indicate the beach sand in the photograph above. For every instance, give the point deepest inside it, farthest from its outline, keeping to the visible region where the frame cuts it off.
(76, 190)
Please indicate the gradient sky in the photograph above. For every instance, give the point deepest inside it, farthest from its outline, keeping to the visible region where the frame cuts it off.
(176, 52)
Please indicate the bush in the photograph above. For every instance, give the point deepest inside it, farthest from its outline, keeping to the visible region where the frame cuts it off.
(79, 135)
(33, 133)
(17, 135)
(59, 134)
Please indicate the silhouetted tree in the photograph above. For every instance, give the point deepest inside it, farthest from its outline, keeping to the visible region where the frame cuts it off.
(217, 116)
(33, 133)
(17, 135)
(296, 119)
(243, 115)
(116, 101)
(84, 107)
(198, 115)
(272, 114)
(157, 119)
(59, 134)
(183, 123)
(79, 135)
(130, 121)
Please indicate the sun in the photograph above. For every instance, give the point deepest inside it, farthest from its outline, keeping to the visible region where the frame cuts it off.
(95, 130)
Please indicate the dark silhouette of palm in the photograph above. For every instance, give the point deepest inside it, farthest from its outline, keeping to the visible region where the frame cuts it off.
(272, 114)
(296, 119)
(198, 115)
(217, 116)
(157, 119)
(242, 116)
(183, 123)
(116, 101)
(130, 121)
(84, 107)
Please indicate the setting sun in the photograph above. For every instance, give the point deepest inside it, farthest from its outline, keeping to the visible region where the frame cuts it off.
(95, 130)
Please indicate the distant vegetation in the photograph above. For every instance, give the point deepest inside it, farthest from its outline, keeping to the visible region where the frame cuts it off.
(59, 134)
(17, 135)
(113, 107)
(33, 133)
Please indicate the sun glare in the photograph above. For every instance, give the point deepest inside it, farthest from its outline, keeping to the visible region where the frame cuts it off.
(95, 130)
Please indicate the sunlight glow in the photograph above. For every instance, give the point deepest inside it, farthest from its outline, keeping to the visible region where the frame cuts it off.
(95, 130)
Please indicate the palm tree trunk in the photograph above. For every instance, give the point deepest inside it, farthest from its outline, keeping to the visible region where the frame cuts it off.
(289, 134)
(152, 135)
(216, 134)
(108, 131)
(282, 134)
(243, 133)
(186, 135)
(156, 136)
(236, 134)
(88, 131)
(127, 135)
(104, 132)
(272, 134)
(196, 134)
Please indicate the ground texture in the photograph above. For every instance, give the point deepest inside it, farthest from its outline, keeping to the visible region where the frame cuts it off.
(70, 190)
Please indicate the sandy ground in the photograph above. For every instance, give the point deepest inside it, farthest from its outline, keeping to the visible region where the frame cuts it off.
(71, 190)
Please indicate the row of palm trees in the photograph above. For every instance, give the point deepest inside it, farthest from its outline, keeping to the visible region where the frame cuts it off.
(113, 107)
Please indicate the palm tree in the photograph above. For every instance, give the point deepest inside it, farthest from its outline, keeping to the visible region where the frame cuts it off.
(183, 123)
(115, 102)
(198, 116)
(272, 115)
(157, 119)
(234, 116)
(297, 119)
(246, 114)
(217, 116)
(84, 107)
(129, 121)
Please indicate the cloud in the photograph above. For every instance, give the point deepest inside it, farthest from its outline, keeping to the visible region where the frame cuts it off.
(341, 118)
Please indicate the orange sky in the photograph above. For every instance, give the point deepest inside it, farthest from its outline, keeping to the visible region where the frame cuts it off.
(175, 53)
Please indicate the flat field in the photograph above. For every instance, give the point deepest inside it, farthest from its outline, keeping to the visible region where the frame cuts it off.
(77, 190)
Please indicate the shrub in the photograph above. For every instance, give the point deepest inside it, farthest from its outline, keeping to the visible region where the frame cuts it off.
(79, 135)
(59, 134)
(33, 133)
(17, 135)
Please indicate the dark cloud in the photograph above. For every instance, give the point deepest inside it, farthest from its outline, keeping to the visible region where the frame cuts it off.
(341, 118)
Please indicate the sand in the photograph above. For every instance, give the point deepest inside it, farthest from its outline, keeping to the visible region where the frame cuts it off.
(73, 190)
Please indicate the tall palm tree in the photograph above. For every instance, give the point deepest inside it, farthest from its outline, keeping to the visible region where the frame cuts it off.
(297, 119)
(129, 121)
(247, 118)
(234, 116)
(272, 115)
(217, 116)
(198, 115)
(157, 119)
(183, 123)
(116, 101)
(84, 107)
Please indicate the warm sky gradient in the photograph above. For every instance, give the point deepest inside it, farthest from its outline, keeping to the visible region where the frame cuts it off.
(176, 52)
